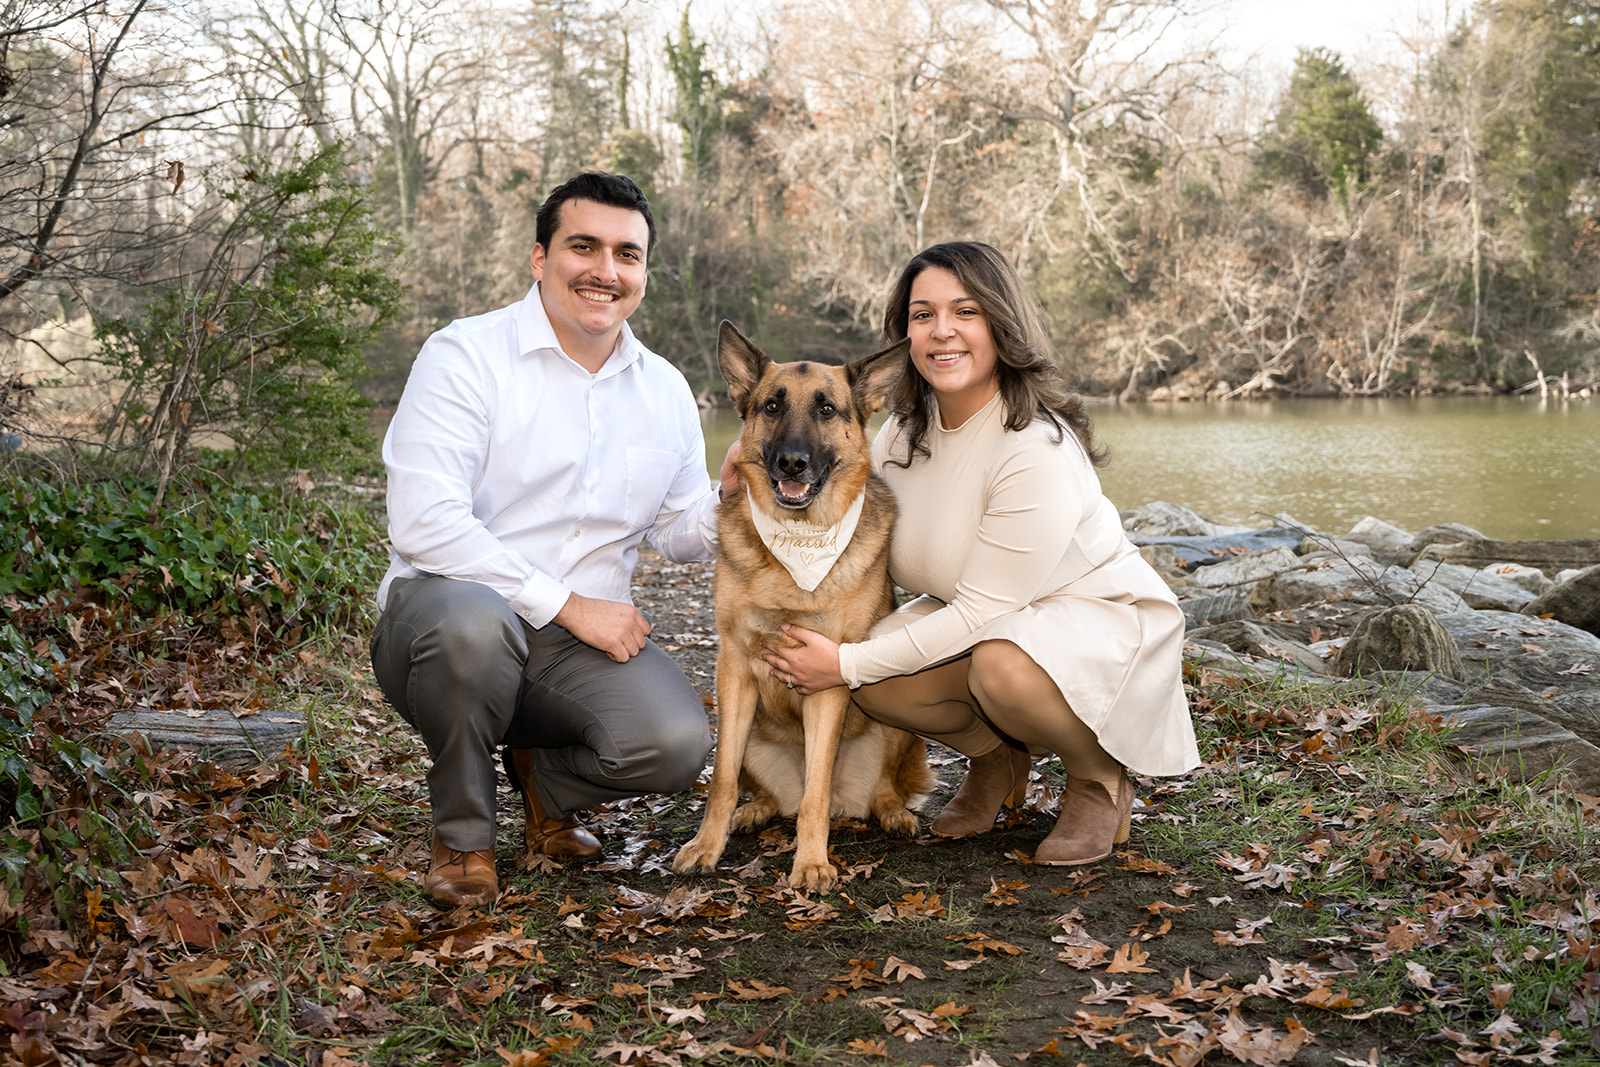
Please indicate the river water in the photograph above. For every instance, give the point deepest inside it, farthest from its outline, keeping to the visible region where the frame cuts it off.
(1513, 468)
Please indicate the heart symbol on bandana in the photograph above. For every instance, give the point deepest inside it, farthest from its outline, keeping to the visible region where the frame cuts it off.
(807, 557)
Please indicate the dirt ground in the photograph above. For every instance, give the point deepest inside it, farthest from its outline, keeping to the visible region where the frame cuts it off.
(980, 952)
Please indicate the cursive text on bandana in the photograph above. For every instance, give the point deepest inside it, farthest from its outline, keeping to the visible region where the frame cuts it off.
(806, 550)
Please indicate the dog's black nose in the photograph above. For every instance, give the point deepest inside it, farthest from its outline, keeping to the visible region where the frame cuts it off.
(792, 463)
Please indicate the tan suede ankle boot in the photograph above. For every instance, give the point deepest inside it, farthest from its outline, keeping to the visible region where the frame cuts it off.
(1091, 824)
(996, 778)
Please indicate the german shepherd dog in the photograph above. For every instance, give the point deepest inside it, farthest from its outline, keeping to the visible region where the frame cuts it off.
(803, 455)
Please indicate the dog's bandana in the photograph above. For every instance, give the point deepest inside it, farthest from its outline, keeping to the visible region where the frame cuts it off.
(807, 550)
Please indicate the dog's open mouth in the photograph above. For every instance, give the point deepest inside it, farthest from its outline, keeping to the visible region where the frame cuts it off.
(792, 494)
(795, 494)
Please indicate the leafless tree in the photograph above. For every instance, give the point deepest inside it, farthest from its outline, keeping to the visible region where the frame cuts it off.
(398, 77)
(1103, 77)
(289, 58)
(99, 101)
(879, 157)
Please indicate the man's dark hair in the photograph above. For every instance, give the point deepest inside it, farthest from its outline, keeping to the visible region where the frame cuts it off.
(613, 190)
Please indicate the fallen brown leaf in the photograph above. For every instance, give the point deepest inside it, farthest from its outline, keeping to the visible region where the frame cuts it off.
(1128, 959)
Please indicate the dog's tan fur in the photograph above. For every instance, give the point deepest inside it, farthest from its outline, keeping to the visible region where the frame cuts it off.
(818, 756)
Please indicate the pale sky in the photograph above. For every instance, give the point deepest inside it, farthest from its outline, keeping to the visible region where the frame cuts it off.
(1358, 29)
(1270, 29)
(1256, 39)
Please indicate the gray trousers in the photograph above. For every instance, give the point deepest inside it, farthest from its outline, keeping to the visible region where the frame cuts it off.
(464, 669)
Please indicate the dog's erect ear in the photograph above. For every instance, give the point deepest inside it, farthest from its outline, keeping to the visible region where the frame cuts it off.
(742, 364)
(871, 377)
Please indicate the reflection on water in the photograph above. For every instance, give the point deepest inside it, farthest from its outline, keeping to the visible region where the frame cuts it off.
(1514, 468)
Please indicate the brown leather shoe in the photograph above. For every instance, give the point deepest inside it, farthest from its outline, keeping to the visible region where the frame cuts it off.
(996, 778)
(459, 878)
(560, 839)
(1091, 824)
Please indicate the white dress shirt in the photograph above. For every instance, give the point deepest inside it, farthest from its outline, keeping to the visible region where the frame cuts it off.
(511, 465)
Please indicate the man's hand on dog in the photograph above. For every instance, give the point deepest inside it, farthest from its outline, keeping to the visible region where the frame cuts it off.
(615, 628)
(728, 477)
(810, 667)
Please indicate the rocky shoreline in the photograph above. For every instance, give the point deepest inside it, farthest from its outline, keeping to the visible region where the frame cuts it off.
(1498, 639)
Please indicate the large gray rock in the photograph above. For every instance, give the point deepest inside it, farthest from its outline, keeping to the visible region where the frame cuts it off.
(1405, 637)
(1548, 556)
(1566, 710)
(1534, 580)
(1213, 657)
(1519, 729)
(1524, 747)
(1386, 541)
(1557, 661)
(1161, 519)
(1262, 638)
(1162, 557)
(1480, 587)
(1326, 577)
(1527, 702)
(1238, 572)
(1205, 607)
(232, 741)
(1444, 533)
(1193, 553)
(1575, 601)
(1316, 544)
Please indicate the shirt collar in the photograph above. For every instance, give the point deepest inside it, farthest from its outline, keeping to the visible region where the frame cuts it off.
(536, 336)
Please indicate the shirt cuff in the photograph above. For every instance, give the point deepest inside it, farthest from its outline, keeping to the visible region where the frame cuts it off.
(540, 598)
(847, 665)
(707, 523)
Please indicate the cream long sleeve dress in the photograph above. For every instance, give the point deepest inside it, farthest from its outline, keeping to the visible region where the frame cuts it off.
(1007, 535)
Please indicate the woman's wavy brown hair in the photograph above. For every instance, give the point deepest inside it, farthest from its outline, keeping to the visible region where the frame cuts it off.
(1031, 385)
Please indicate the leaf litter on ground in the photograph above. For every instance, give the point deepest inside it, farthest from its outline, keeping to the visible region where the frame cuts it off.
(1334, 886)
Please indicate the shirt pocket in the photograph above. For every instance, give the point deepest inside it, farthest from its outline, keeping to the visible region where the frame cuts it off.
(650, 474)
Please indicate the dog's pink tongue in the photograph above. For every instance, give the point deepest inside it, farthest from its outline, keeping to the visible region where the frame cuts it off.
(792, 490)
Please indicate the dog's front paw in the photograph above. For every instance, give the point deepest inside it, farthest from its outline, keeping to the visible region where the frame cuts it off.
(814, 877)
(753, 815)
(899, 822)
(697, 857)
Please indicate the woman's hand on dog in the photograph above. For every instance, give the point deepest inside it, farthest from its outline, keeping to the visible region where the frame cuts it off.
(810, 667)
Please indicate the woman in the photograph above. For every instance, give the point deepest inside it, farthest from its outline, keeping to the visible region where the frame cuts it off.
(1040, 628)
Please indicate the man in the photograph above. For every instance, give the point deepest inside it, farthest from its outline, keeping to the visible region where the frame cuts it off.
(533, 449)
